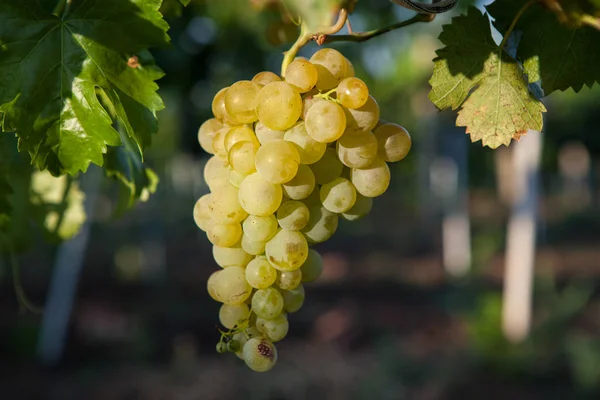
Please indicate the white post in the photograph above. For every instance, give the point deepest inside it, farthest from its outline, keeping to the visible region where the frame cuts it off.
(521, 238)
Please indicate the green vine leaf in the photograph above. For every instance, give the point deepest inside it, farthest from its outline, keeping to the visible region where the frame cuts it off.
(51, 66)
(559, 56)
(472, 73)
(6, 146)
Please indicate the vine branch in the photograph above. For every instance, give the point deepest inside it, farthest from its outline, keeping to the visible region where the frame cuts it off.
(514, 23)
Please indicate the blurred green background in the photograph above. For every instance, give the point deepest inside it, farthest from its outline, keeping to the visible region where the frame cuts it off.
(386, 320)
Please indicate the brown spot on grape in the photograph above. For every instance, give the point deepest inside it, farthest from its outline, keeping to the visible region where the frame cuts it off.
(265, 350)
(292, 247)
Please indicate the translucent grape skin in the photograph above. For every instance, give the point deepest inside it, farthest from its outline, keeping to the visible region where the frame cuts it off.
(287, 251)
(206, 133)
(308, 99)
(362, 206)
(301, 74)
(218, 107)
(302, 185)
(240, 102)
(394, 142)
(327, 168)
(242, 157)
(260, 229)
(292, 215)
(202, 215)
(338, 196)
(352, 93)
(265, 77)
(224, 235)
(259, 197)
(260, 274)
(357, 150)
(265, 134)
(293, 299)
(240, 133)
(235, 178)
(321, 225)
(231, 256)
(224, 205)
(312, 267)
(309, 150)
(331, 67)
(229, 286)
(373, 180)
(259, 354)
(252, 247)
(279, 105)
(216, 172)
(267, 303)
(362, 119)
(275, 329)
(288, 280)
(277, 161)
(325, 121)
(218, 143)
(231, 315)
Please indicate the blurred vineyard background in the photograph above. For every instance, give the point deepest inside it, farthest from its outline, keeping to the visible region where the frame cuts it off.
(410, 303)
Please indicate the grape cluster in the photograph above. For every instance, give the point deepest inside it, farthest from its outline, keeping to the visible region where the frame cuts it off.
(290, 156)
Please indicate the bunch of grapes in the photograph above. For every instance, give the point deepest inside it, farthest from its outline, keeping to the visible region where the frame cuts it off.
(290, 157)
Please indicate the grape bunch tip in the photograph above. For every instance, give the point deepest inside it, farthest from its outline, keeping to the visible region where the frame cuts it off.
(289, 157)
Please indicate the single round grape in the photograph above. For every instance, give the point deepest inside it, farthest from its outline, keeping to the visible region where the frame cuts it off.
(312, 267)
(331, 68)
(322, 224)
(267, 303)
(373, 180)
(240, 133)
(301, 74)
(327, 168)
(352, 92)
(259, 197)
(229, 286)
(293, 299)
(218, 107)
(219, 143)
(362, 206)
(240, 101)
(287, 250)
(292, 215)
(212, 284)
(265, 77)
(224, 235)
(310, 150)
(277, 161)
(221, 347)
(275, 329)
(278, 105)
(216, 172)
(259, 354)
(308, 99)
(338, 196)
(202, 215)
(207, 132)
(362, 119)
(302, 185)
(358, 150)
(234, 346)
(265, 134)
(260, 274)
(393, 142)
(241, 338)
(288, 280)
(325, 121)
(224, 205)
(235, 178)
(251, 247)
(231, 315)
(242, 156)
(231, 256)
(260, 229)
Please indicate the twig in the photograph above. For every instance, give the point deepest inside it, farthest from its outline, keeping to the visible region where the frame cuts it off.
(514, 22)
(363, 36)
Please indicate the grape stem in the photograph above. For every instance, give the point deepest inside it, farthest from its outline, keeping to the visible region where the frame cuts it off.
(363, 36)
(514, 23)
(305, 37)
